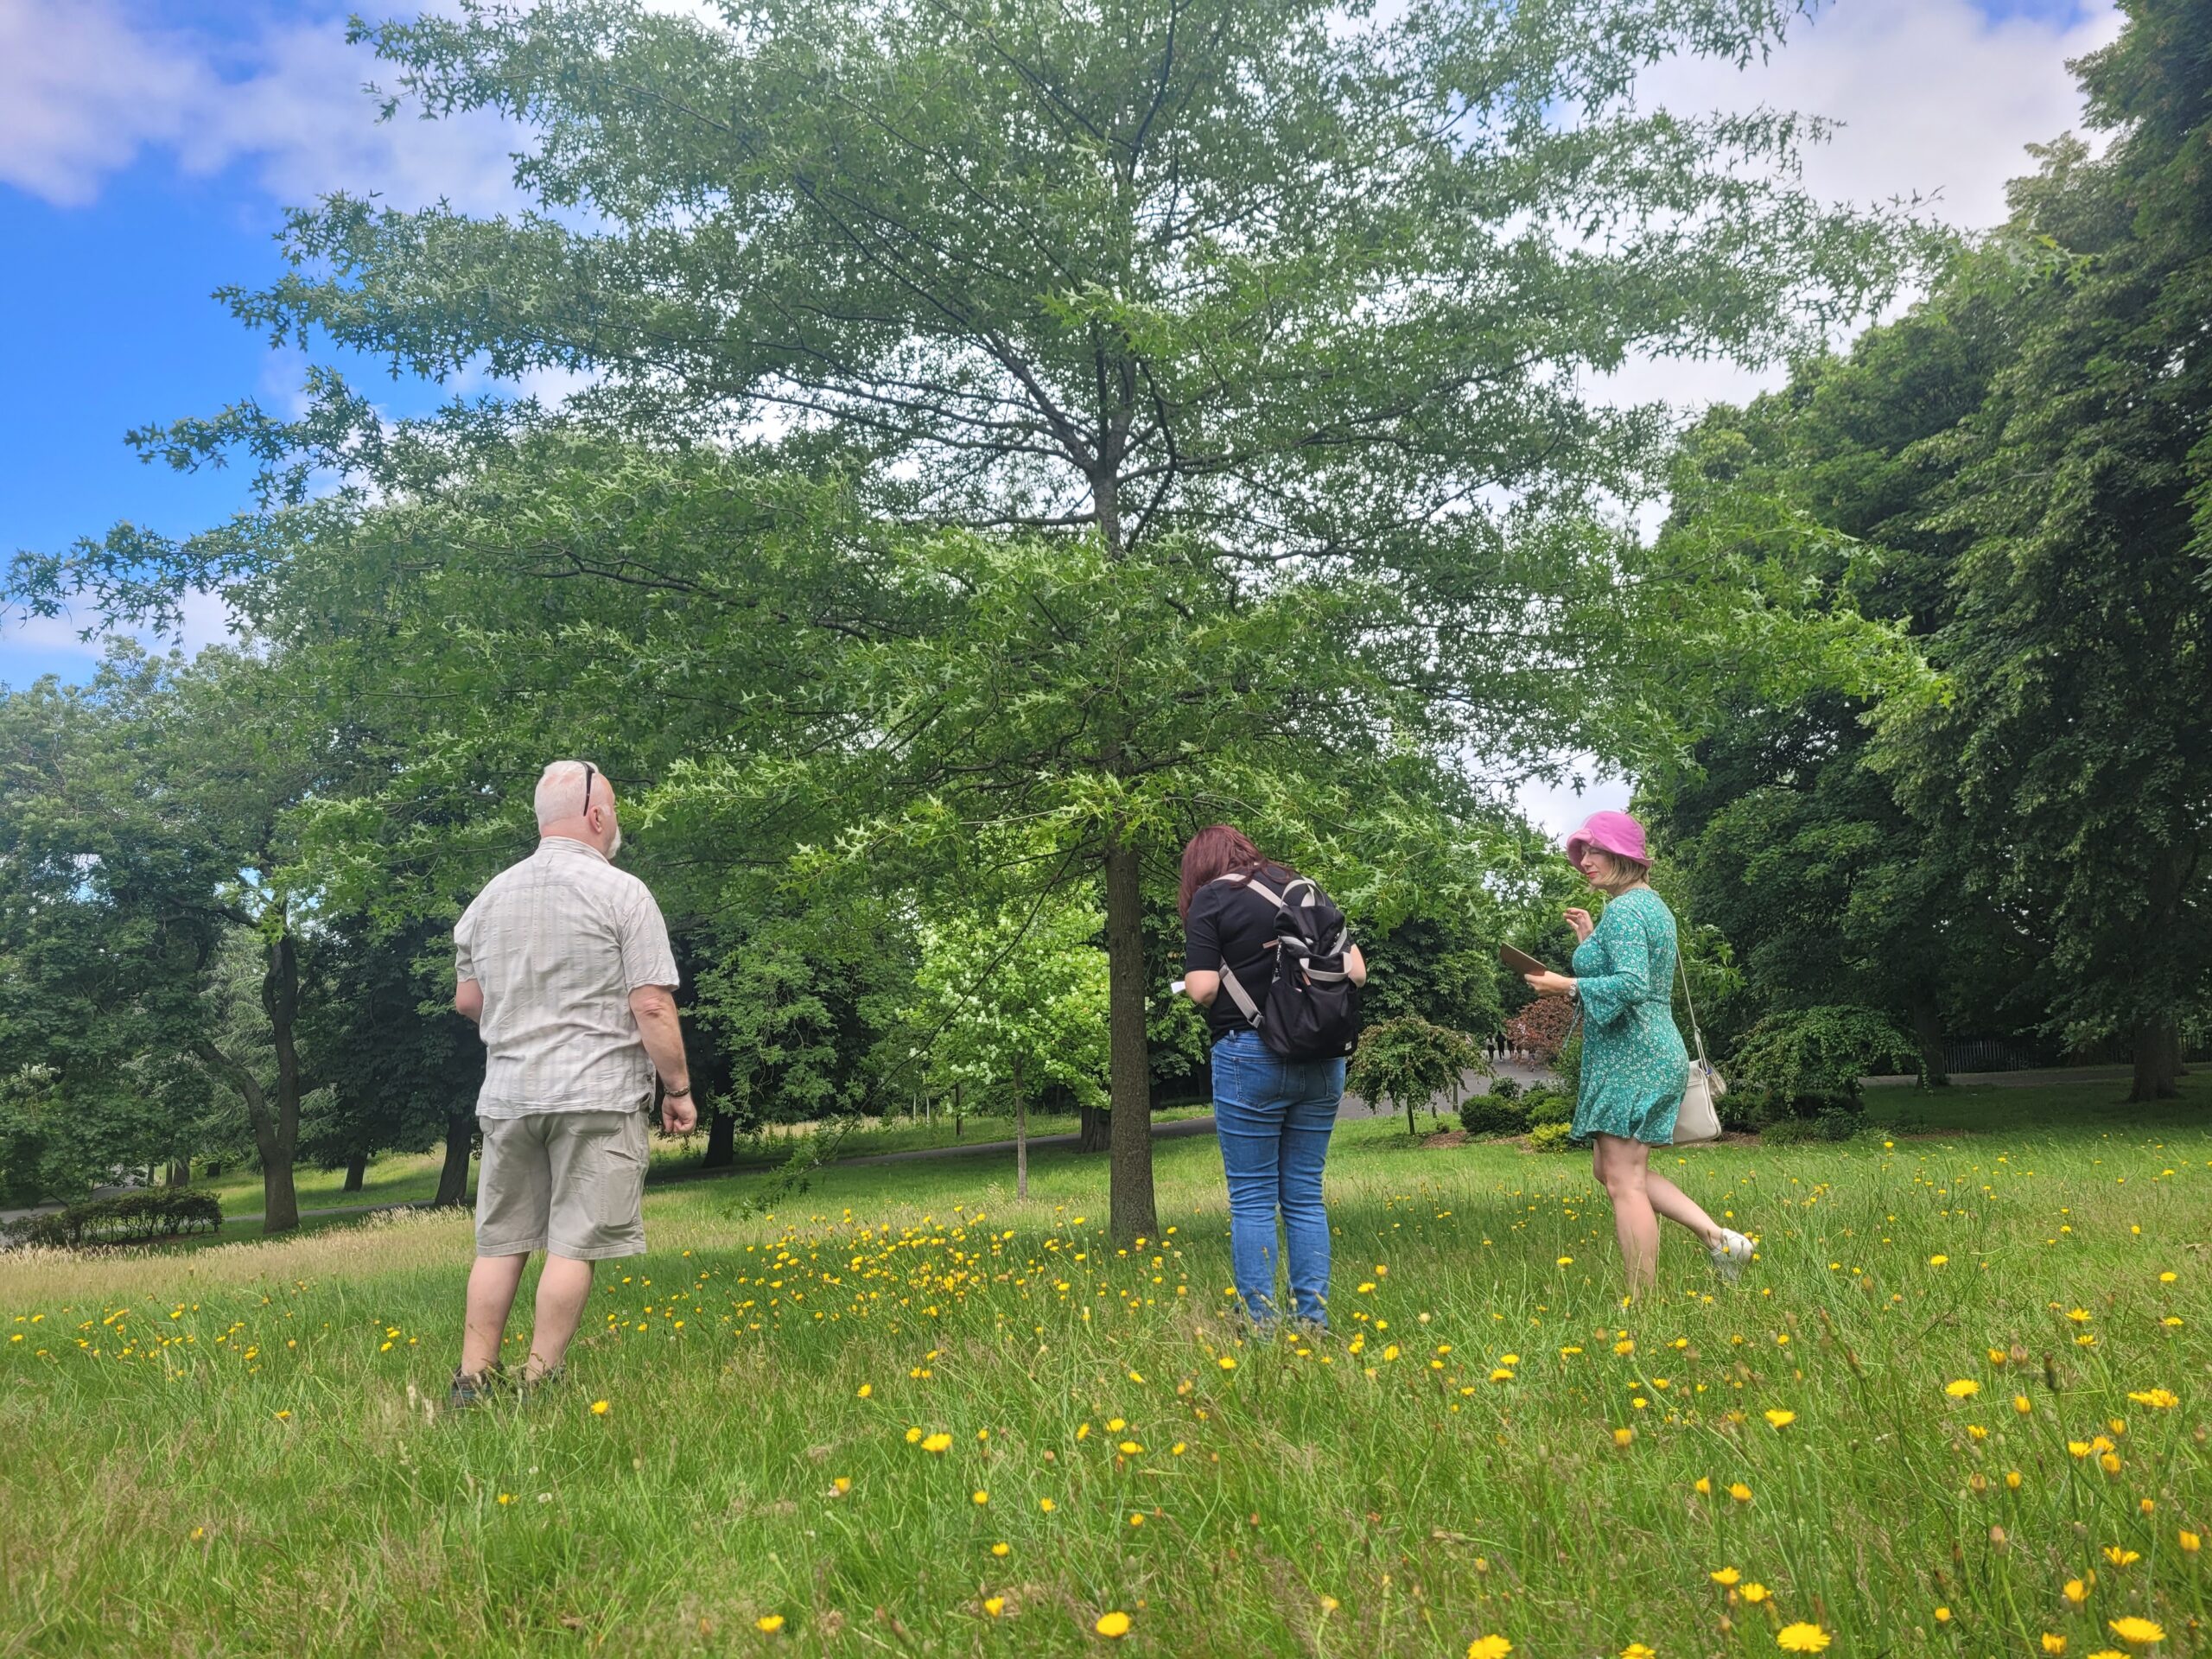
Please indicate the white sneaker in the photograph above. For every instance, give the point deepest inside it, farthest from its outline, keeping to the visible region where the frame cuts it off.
(1729, 1253)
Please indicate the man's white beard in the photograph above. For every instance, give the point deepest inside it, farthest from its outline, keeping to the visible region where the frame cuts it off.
(614, 850)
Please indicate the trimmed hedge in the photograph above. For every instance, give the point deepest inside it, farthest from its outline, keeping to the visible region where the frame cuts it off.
(127, 1218)
(1544, 1105)
(1495, 1113)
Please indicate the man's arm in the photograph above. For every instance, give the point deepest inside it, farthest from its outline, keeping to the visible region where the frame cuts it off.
(661, 1029)
(468, 1000)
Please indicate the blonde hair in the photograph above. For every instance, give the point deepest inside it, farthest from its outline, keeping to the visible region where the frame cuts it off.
(1615, 875)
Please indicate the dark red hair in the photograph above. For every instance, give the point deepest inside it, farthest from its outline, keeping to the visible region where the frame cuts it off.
(1214, 852)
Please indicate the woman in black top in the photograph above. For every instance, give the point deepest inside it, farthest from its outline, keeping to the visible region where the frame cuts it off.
(1273, 1116)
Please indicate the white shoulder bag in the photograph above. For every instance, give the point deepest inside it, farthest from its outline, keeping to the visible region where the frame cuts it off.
(1696, 1120)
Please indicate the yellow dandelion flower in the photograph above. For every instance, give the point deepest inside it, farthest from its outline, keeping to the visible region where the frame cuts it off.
(1802, 1638)
(1740, 1492)
(1781, 1419)
(768, 1623)
(1637, 1651)
(2190, 1543)
(1135, 1518)
(1623, 1436)
(979, 1496)
(2136, 1633)
(843, 1483)
(1754, 1592)
(1001, 1549)
(864, 1391)
(2156, 1399)
(994, 1606)
(1113, 1626)
(2119, 1557)
(1727, 1575)
(1226, 1363)
(1937, 1260)
(1129, 1448)
(1943, 1615)
(2076, 1592)
(2053, 1643)
(2021, 1404)
(1702, 1487)
(937, 1444)
(1489, 1647)
(1964, 1388)
(1047, 1505)
(914, 1436)
(600, 1407)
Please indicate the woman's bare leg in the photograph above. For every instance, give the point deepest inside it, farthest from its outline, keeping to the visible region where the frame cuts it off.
(1623, 1169)
(1677, 1205)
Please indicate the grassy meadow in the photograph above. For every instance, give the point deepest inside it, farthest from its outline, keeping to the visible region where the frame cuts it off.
(1959, 1406)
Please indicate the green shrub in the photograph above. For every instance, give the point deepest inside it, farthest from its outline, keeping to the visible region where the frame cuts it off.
(1505, 1089)
(127, 1218)
(1552, 1137)
(1541, 1105)
(1492, 1114)
(1568, 1065)
(1822, 1051)
(1840, 1126)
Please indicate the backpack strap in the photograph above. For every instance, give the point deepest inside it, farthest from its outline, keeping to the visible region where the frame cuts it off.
(1230, 982)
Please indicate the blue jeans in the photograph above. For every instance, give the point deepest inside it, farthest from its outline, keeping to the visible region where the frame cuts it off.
(1274, 1117)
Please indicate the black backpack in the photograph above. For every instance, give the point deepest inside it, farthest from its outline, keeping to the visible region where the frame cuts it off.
(1310, 1010)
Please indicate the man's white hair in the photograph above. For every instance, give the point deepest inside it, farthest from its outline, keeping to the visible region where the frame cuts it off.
(561, 794)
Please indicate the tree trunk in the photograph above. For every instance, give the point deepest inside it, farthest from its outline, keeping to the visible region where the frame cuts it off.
(2157, 1060)
(1092, 1123)
(1928, 1032)
(1129, 1205)
(280, 999)
(460, 1140)
(356, 1170)
(1020, 1136)
(721, 1141)
(956, 1111)
(180, 1172)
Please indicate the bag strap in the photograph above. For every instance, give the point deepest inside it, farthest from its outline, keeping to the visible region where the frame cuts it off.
(1697, 1036)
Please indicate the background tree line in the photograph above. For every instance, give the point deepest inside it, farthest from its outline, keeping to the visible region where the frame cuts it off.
(1011, 438)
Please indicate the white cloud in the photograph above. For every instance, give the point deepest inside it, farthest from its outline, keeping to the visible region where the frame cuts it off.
(89, 86)
(1937, 100)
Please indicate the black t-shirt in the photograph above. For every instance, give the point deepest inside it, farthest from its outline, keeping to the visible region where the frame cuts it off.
(1230, 923)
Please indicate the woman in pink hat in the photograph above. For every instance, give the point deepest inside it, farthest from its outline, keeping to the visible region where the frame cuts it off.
(1634, 1065)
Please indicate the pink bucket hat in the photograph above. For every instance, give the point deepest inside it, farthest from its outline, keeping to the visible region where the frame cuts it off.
(1609, 832)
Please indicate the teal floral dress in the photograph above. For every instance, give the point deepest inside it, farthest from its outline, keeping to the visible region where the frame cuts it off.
(1634, 1065)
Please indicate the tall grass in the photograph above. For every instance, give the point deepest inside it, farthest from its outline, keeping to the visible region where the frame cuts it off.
(236, 1450)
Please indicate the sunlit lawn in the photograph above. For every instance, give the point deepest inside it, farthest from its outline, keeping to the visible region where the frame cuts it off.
(233, 1450)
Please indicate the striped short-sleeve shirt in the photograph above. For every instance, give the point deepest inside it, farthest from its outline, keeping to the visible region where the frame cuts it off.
(557, 942)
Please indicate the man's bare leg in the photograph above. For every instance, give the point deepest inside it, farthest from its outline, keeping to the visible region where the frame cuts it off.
(491, 1286)
(563, 1290)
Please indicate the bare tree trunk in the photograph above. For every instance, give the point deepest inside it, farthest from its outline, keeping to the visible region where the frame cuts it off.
(956, 1111)
(2157, 1060)
(1928, 1032)
(460, 1140)
(1020, 1135)
(1092, 1126)
(180, 1172)
(1129, 1205)
(356, 1170)
(722, 1140)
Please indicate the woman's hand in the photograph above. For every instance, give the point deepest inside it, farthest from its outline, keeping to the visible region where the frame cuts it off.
(1580, 922)
(1550, 984)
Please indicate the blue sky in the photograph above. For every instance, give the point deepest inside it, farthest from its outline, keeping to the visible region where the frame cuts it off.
(147, 147)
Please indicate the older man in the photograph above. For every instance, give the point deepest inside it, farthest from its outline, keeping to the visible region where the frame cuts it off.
(563, 962)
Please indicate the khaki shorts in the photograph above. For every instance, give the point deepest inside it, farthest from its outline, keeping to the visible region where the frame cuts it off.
(572, 1183)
